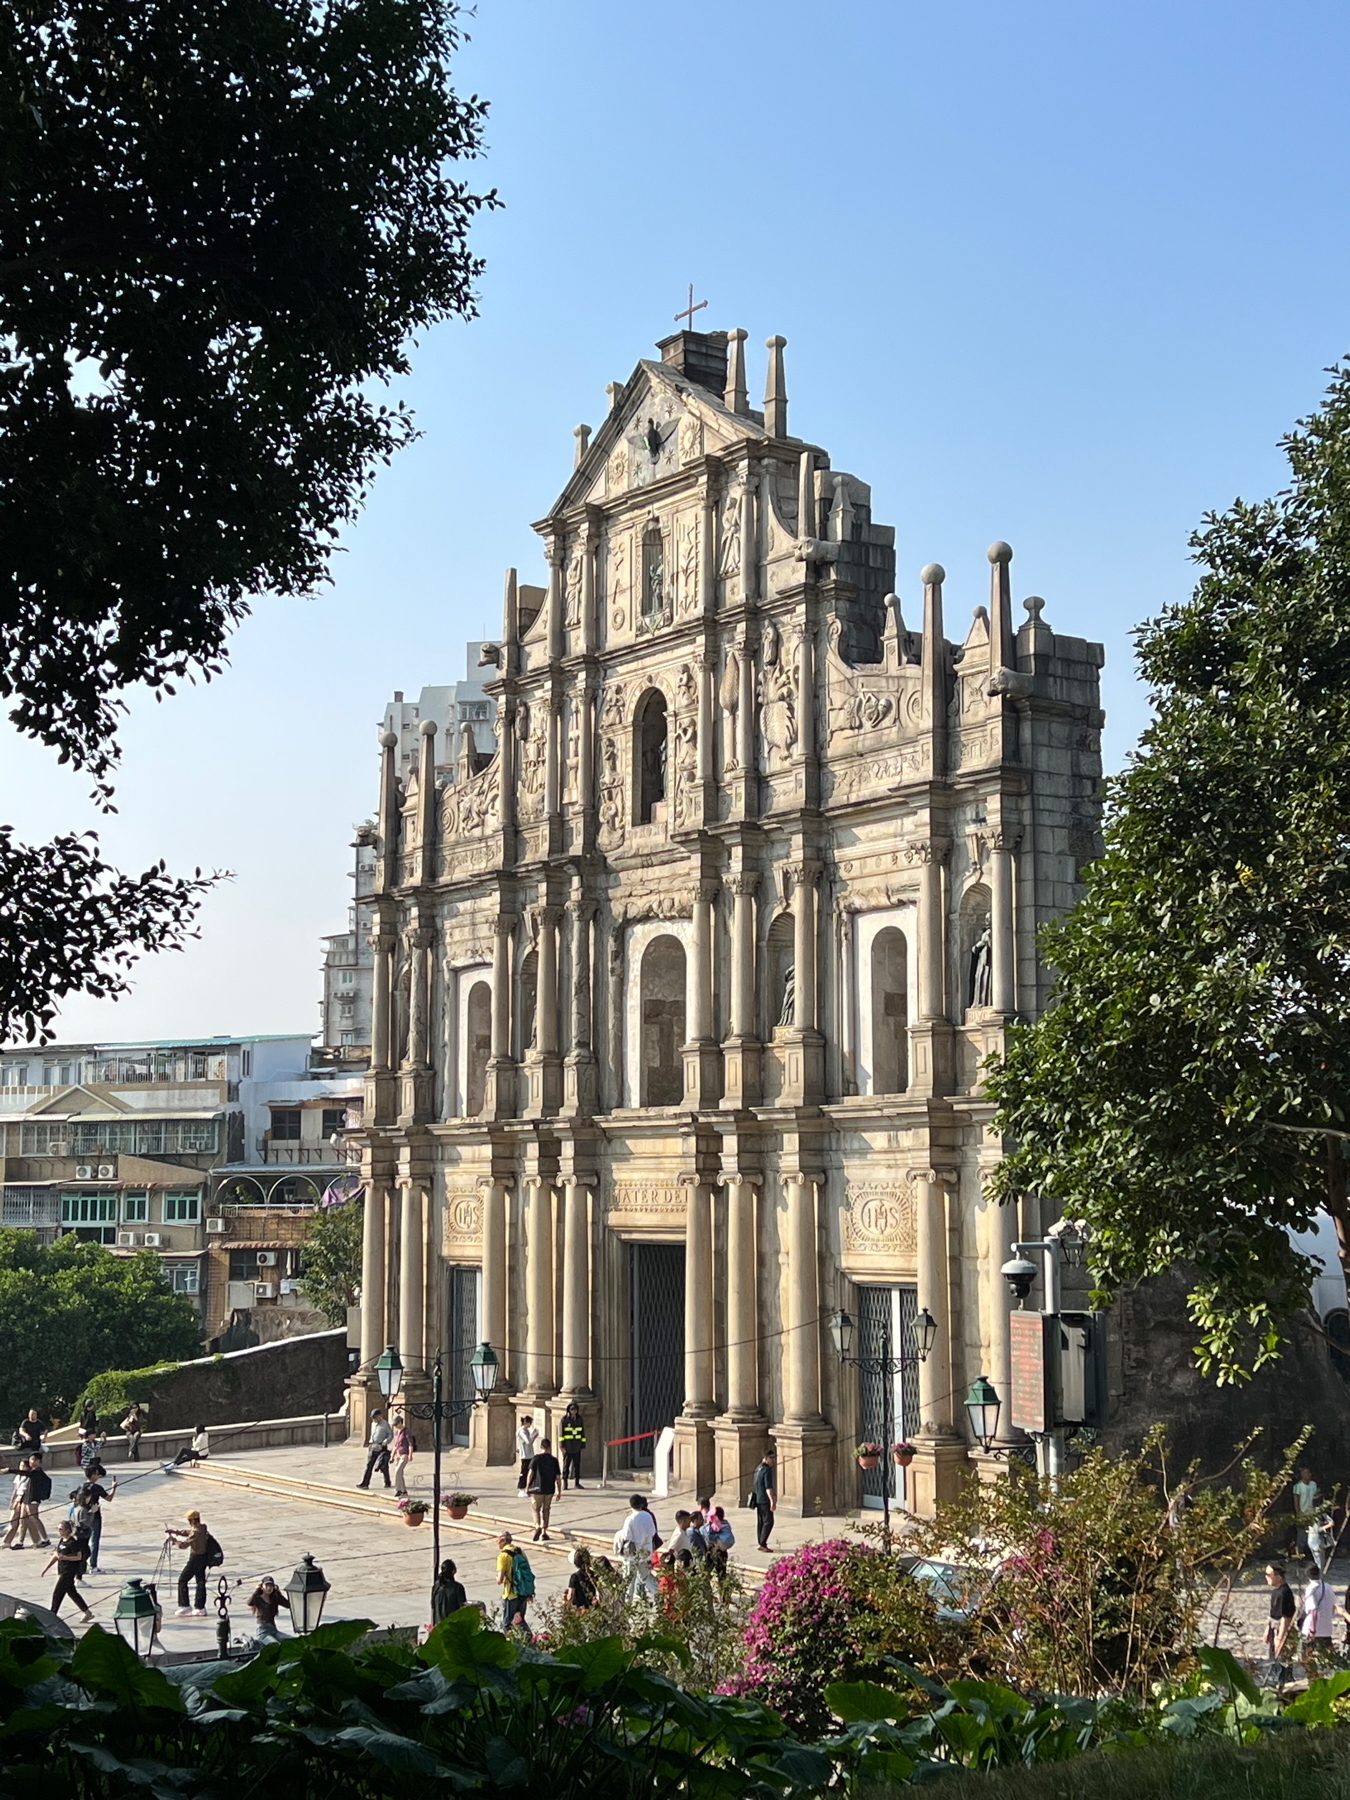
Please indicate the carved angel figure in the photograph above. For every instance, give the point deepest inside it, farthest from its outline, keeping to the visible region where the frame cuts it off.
(730, 561)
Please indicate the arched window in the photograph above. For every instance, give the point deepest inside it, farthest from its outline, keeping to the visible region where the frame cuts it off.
(782, 984)
(890, 1012)
(529, 1000)
(653, 572)
(662, 996)
(650, 731)
(477, 1047)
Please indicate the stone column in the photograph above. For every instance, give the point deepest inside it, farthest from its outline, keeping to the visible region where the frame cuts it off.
(419, 953)
(802, 1358)
(411, 1279)
(746, 724)
(702, 1064)
(501, 1097)
(1002, 1222)
(848, 1002)
(694, 1453)
(1003, 959)
(551, 712)
(935, 1375)
(741, 1054)
(579, 1084)
(740, 1434)
(930, 1037)
(383, 944)
(539, 1288)
(805, 876)
(576, 1317)
(546, 1021)
(931, 935)
(492, 1426)
(374, 1293)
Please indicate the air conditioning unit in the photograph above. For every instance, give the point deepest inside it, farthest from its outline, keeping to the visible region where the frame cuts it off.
(153, 1240)
(84, 1172)
(215, 1228)
(267, 1259)
(127, 1240)
(107, 1171)
(264, 1290)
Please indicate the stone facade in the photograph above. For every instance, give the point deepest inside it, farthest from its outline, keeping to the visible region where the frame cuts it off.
(680, 1003)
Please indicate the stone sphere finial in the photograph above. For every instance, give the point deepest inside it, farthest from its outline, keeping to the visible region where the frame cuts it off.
(932, 575)
(389, 740)
(427, 728)
(999, 552)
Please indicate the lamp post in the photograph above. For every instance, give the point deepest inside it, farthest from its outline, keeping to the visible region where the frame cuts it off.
(887, 1365)
(483, 1369)
(306, 1592)
(137, 1616)
(982, 1409)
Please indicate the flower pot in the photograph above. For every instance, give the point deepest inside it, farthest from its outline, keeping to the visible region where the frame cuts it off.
(868, 1462)
(903, 1457)
(458, 1512)
(413, 1518)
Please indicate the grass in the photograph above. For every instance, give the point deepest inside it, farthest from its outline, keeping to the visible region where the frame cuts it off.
(1289, 1765)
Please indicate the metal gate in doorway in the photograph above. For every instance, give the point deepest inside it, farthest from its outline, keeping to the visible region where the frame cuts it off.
(656, 1327)
(885, 1315)
(463, 1315)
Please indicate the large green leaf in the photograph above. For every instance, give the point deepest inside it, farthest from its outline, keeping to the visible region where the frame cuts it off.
(850, 1700)
(104, 1664)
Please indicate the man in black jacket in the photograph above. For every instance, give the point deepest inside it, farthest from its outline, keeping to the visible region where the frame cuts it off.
(541, 1484)
(39, 1492)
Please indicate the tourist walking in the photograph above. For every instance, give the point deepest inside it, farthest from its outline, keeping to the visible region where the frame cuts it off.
(764, 1497)
(1317, 1617)
(203, 1553)
(447, 1594)
(635, 1542)
(527, 1442)
(28, 1432)
(1283, 1609)
(134, 1426)
(199, 1450)
(580, 1591)
(38, 1493)
(265, 1602)
(377, 1449)
(401, 1447)
(69, 1560)
(541, 1484)
(572, 1441)
(87, 1504)
(516, 1580)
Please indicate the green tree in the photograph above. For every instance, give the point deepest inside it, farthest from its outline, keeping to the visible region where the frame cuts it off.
(221, 221)
(330, 1259)
(70, 1310)
(1187, 1091)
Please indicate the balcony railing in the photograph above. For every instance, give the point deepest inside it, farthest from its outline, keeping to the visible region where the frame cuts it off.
(289, 1155)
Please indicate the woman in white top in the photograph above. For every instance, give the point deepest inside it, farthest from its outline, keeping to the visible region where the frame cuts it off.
(1317, 1617)
(197, 1451)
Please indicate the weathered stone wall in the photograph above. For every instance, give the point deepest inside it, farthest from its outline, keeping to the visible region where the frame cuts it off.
(1156, 1378)
(285, 1380)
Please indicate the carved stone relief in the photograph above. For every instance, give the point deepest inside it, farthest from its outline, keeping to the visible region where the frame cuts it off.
(880, 1216)
(684, 760)
(659, 1197)
(572, 591)
(729, 563)
(618, 582)
(689, 562)
(463, 1221)
(691, 438)
(778, 699)
(531, 725)
(471, 806)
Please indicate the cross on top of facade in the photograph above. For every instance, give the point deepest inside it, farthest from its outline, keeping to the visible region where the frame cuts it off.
(691, 309)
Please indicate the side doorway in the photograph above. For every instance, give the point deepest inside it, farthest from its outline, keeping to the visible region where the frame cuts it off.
(885, 1316)
(462, 1312)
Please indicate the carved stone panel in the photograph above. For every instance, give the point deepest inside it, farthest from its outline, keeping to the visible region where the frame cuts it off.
(463, 1221)
(879, 1219)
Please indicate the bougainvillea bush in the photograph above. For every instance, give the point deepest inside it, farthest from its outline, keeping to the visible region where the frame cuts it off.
(831, 1612)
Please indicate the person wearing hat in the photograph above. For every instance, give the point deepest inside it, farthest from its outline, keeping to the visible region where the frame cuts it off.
(513, 1602)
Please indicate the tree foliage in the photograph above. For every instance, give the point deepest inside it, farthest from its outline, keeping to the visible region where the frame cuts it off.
(70, 1310)
(1187, 1091)
(330, 1259)
(220, 224)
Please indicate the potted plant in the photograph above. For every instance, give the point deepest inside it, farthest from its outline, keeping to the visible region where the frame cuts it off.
(414, 1511)
(903, 1453)
(457, 1505)
(868, 1455)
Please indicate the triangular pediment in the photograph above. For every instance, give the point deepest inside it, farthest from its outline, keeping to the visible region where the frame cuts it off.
(80, 1102)
(662, 421)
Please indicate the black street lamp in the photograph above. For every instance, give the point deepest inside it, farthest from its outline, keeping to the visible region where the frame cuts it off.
(137, 1616)
(306, 1592)
(887, 1365)
(982, 1409)
(483, 1370)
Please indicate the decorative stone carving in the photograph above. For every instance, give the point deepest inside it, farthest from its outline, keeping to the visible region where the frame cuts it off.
(880, 1216)
(729, 699)
(618, 582)
(689, 565)
(572, 591)
(778, 699)
(531, 725)
(652, 1197)
(618, 469)
(729, 563)
(463, 1220)
(691, 438)
(472, 806)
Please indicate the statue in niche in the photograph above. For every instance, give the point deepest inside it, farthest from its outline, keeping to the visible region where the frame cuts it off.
(572, 604)
(531, 733)
(982, 968)
(778, 701)
(730, 563)
(686, 746)
(787, 1012)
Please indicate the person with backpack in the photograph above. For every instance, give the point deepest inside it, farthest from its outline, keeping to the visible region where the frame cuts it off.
(516, 1580)
(70, 1561)
(447, 1593)
(86, 1513)
(572, 1441)
(203, 1553)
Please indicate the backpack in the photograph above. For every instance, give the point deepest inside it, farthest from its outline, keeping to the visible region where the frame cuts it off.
(39, 1486)
(215, 1556)
(522, 1575)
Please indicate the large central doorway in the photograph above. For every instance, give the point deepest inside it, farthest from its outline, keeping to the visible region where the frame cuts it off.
(656, 1328)
(885, 1315)
(463, 1314)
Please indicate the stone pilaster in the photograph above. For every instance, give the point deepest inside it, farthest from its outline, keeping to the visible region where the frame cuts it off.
(580, 1087)
(502, 1087)
(694, 1454)
(543, 1067)
(539, 1288)
(702, 1060)
(741, 1433)
(803, 1046)
(742, 1053)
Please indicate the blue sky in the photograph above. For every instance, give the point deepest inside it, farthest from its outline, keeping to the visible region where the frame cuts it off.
(1060, 274)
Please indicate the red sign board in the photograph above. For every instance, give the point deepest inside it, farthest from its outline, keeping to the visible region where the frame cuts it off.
(1030, 1401)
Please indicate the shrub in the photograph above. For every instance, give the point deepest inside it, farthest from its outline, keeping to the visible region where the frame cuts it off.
(694, 1633)
(832, 1612)
(113, 1392)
